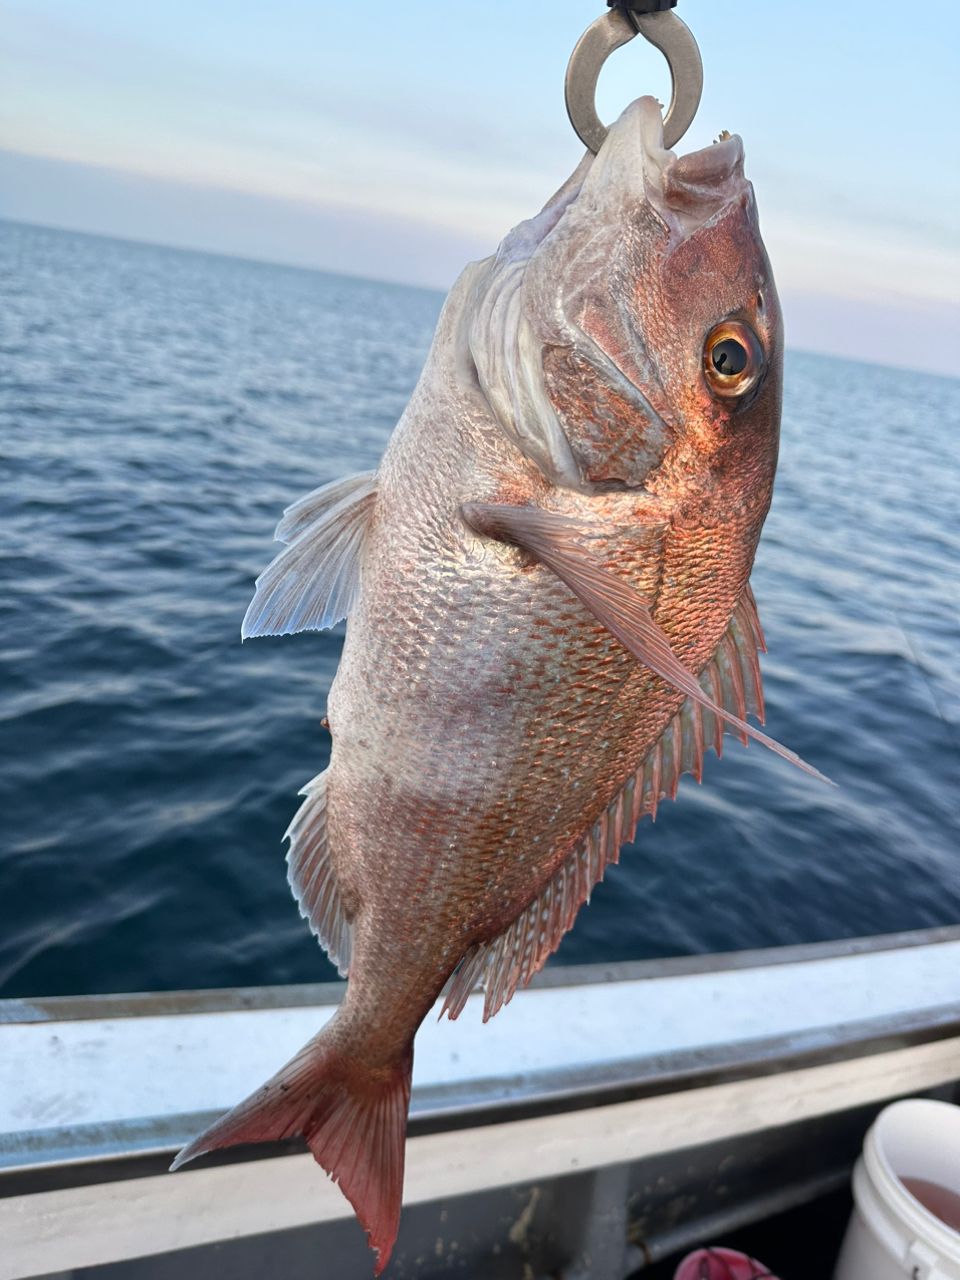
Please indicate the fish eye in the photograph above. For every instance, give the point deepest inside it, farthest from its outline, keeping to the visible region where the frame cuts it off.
(732, 358)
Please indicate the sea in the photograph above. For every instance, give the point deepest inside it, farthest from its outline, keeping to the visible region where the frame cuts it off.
(160, 408)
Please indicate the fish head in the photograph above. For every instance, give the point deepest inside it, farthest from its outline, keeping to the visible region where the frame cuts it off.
(630, 335)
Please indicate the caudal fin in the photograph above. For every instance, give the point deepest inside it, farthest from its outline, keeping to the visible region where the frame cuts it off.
(354, 1118)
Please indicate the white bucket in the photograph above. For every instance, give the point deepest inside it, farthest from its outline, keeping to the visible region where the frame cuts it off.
(891, 1235)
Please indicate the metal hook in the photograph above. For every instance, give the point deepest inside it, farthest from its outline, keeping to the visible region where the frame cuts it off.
(665, 32)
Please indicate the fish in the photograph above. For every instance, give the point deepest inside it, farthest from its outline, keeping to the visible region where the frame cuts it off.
(549, 619)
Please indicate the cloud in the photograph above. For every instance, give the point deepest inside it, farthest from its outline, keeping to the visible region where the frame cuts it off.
(906, 335)
(271, 116)
(118, 203)
(914, 333)
(861, 261)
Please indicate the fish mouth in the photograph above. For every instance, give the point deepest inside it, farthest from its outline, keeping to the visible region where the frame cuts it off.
(686, 190)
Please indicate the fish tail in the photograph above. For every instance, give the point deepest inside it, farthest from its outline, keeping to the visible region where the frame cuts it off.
(353, 1117)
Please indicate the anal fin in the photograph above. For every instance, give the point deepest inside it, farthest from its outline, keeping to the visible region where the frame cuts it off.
(313, 878)
(731, 679)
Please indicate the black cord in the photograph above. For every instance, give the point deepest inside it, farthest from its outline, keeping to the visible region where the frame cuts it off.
(641, 6)
(630, 8)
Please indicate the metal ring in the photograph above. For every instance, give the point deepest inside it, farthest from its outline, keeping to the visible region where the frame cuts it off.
(668, 34)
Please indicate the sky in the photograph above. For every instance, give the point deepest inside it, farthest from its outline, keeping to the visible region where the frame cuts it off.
(401, 141)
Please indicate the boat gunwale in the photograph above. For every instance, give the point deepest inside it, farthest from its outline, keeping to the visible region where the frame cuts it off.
(143, 1147)
(29, 1009)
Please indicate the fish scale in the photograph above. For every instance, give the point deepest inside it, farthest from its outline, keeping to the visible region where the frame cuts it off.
(548, 619)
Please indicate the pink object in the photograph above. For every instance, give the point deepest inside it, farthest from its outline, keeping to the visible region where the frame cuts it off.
(721, 1264)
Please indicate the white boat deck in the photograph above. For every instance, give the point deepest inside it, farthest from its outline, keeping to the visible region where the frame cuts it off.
(100, 1070)
(796, 1036)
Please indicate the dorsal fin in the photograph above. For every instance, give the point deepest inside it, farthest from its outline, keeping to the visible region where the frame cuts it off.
(312, 876)
(509, 961)
(313, 583)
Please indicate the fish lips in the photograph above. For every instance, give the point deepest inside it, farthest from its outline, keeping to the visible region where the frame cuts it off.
(685, 190)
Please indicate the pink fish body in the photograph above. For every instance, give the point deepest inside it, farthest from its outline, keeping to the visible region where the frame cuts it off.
(549, 618)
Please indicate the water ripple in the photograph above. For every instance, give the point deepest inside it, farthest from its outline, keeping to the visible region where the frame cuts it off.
(157, 411)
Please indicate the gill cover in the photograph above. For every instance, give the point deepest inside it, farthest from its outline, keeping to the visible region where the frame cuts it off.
(564, 332)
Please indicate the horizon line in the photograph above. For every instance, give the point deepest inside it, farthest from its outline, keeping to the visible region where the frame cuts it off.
(167, 246)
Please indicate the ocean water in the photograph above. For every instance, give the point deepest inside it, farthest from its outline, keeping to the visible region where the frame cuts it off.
(158, 409)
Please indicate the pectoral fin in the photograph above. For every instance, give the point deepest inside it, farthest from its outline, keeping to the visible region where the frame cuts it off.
(557, 543)
(314, 581)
